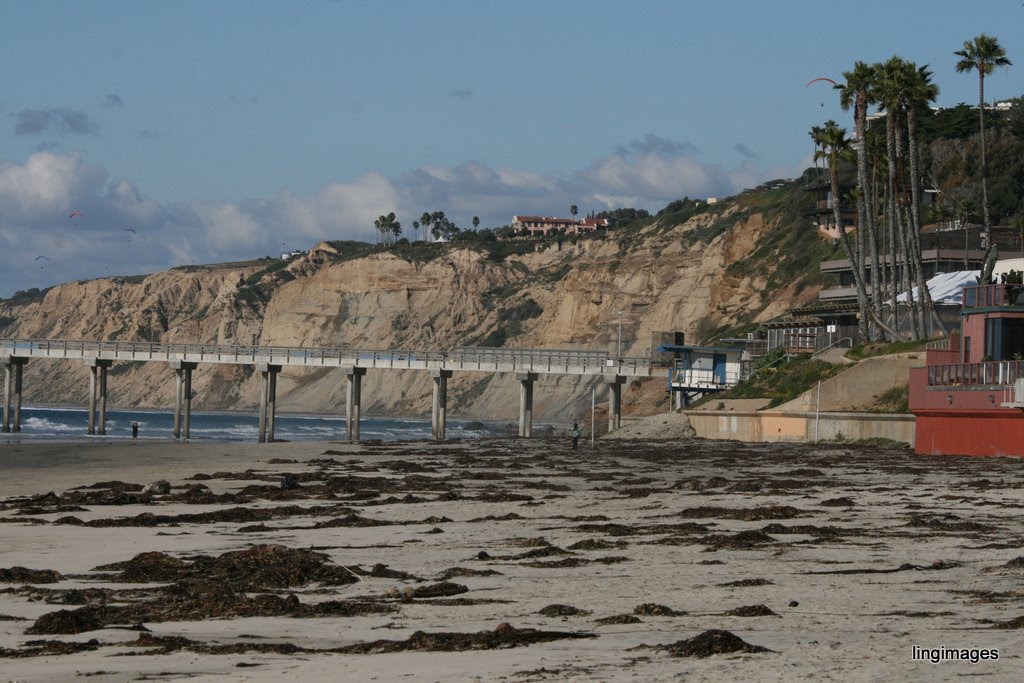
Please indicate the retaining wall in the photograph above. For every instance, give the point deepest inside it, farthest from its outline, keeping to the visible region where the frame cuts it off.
(774, 426)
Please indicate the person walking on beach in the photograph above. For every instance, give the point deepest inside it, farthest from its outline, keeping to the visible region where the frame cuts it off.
(135, 432)
(575, 435)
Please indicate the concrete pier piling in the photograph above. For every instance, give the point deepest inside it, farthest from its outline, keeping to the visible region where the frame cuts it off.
(526, 380)
(12, 391)
(268, 400)
(353, 400)
(439, 417)
(614, 401)
(97, 395)
(182, 398)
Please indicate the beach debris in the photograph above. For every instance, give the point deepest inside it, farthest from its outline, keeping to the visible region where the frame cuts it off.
(463, 571)
(950, 523)
(809, 529)
(750, 611)
(746, 583)
(233, 514)
(502, 637)
(596, 544)
(708, 643)
(746, 514)
(67, 621)
(382, 571)
(653, 609)
(25, 575)
(794, 603)
(438, 590)
(842, 502)
(557, 610)
(161, 487)
(744, 540)
(1012, 623)
(544, 551)
(619, 619)
(289, 482)
(259, 567)
(48, 648)
(564, 563)
(905, 567)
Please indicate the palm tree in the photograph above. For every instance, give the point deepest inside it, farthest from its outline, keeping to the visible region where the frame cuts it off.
(476, 222)
(984, 54)
(835, 147)
(388, 226)
(416, 229)
(890, 91)
(425, 220)
(857, 92)
(574, 210)
(919, 93)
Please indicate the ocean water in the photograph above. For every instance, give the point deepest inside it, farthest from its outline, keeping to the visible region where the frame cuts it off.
(72, 424)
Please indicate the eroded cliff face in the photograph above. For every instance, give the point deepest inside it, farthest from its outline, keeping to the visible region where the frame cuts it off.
(570, 296)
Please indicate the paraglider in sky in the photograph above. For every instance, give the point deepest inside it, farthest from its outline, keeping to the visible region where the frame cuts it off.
(128, 236)
(42, 261)
(822, 78)
(76, 215)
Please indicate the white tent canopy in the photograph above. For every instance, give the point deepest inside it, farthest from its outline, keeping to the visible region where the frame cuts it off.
(947, 288)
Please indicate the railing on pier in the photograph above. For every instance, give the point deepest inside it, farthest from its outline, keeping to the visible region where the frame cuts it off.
(548, 361)
(994, 373)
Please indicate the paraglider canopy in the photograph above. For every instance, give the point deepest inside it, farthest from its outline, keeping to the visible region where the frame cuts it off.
(822, 78)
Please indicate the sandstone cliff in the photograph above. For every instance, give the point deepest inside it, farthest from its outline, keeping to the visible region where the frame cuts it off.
(695, 276)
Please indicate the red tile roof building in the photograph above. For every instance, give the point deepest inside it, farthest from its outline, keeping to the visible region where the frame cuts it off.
(547, 225)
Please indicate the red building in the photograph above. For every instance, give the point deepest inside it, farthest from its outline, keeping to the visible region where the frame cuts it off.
(968, 399)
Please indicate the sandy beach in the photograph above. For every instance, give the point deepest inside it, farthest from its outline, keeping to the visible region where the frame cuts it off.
(516, 560)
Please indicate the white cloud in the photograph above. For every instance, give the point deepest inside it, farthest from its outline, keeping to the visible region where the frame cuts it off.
(228, 227)
(36, 197)
(46, 186)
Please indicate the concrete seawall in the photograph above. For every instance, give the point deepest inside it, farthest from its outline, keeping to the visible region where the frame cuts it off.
(773, 426)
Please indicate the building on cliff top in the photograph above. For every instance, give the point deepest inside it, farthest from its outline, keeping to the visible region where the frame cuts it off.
(542, 226)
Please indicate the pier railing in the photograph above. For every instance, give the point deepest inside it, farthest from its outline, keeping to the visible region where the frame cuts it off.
(546, 361)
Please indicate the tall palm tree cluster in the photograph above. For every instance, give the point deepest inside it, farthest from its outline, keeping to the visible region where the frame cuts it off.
(436, 224)
(886, 251)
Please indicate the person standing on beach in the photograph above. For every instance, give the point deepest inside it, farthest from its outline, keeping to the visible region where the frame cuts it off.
(575, 435)
(135, 432)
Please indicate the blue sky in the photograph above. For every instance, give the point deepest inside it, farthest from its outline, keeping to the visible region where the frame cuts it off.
(230, 130)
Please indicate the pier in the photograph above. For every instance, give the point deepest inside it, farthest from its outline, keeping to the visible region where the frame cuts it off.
(528, 365)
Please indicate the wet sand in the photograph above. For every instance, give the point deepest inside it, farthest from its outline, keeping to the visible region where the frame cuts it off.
(505, 560)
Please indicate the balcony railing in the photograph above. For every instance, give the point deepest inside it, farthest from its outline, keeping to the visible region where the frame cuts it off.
(699, 378)
(995, 373)
(986, 296)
